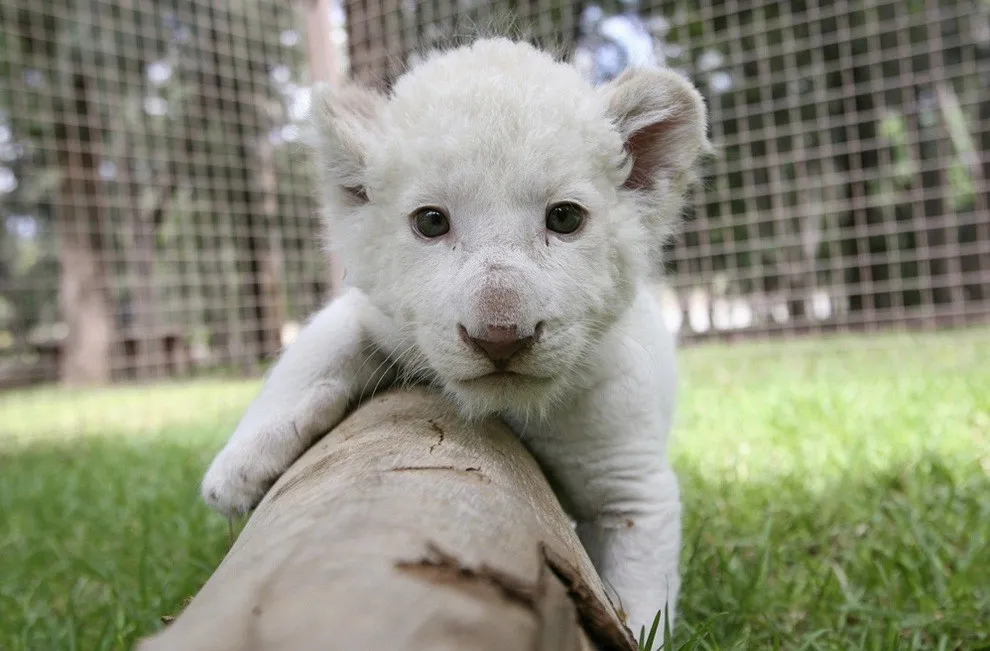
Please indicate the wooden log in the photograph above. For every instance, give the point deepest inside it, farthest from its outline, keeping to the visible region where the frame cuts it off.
(405, 528)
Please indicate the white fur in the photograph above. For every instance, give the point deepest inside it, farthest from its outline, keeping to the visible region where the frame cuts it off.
(493, 133)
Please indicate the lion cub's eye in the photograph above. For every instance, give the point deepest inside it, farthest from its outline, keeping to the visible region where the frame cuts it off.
(430, 222)
(565, 218)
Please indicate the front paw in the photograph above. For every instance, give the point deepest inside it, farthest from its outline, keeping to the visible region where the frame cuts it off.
(236, 481)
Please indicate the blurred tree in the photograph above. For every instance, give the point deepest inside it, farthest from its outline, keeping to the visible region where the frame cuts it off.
(158, 126)
(77, 146)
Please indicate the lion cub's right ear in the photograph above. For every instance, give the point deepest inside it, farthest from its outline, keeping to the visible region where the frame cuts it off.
(662, 119)
(348, 120)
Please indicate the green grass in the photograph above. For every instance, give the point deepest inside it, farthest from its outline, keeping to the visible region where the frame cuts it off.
(837, 496)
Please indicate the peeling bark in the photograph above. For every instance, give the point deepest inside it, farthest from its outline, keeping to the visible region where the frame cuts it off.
(405, 528)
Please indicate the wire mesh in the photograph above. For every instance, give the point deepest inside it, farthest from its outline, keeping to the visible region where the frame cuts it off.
(158, 218)
(850, 190)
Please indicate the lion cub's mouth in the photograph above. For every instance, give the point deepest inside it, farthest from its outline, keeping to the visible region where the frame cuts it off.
(506, 376)
(501, 374)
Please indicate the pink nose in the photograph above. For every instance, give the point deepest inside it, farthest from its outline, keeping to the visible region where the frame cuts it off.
(497, 343)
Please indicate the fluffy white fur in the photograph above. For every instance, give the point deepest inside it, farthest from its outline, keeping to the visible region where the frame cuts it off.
(494, 132)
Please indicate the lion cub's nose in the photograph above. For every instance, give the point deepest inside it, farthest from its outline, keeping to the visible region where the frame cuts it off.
(498, 343)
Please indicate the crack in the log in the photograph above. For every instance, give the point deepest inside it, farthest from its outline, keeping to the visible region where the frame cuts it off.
(604, 630)
(471, 471)
(559, 627)
(436, 428)
(444, 568)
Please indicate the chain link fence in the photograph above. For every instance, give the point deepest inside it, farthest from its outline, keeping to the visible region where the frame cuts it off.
(157, 216)
(850, 188)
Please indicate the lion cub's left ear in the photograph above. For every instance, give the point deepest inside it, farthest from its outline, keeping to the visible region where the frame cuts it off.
(348, 121)
(662, 119)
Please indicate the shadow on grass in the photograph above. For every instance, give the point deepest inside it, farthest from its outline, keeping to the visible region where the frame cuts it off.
(101, 537)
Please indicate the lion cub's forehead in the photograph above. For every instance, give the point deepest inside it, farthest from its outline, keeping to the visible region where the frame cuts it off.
(510, 86)
(498, 104)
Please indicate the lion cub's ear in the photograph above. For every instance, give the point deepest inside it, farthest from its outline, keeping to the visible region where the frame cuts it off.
(348, 121)
(662, 119)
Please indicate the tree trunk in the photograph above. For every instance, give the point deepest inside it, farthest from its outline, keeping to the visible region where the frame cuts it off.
(407, 529)
(84, 282)
(270, 251)
(323, 69)
(148, 205)
(250, 130)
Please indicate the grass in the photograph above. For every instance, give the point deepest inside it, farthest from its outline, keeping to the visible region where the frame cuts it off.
(837, 496)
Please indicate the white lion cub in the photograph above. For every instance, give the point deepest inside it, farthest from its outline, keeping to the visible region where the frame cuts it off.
(497, 217)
